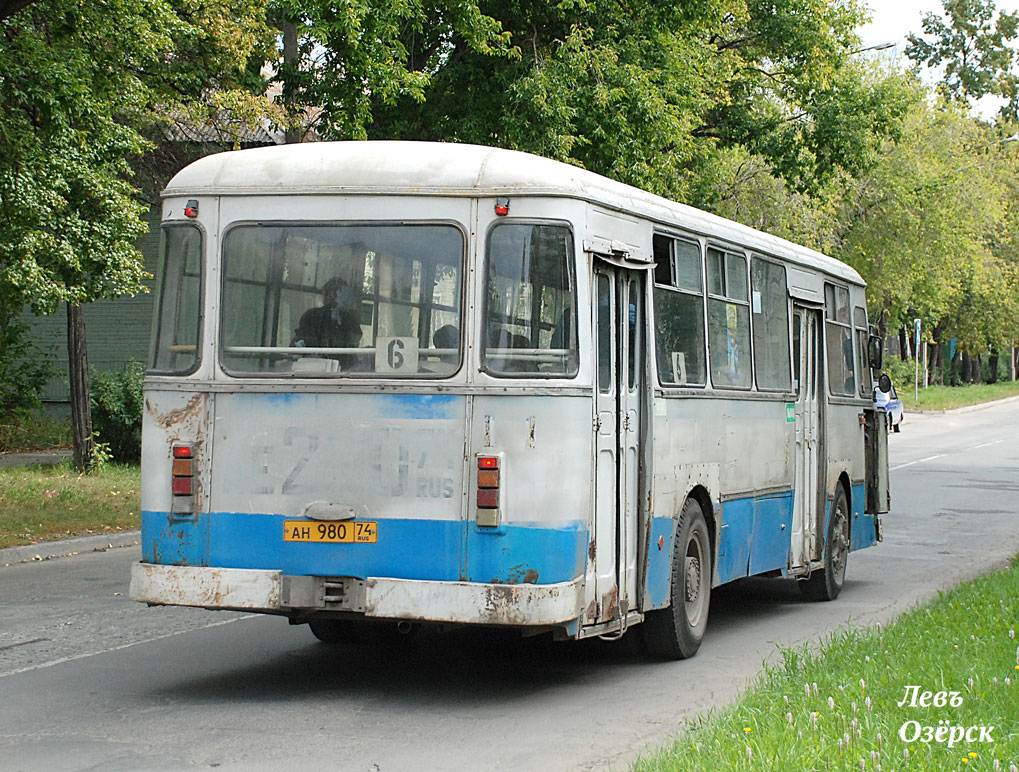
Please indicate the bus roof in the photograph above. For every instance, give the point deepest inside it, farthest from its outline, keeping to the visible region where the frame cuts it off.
(383, 167)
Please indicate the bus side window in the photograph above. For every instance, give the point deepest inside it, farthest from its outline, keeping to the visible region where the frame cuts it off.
(728, 320)
(770, 307)
(862, 337)
(839, 341)
(530, 301)
(679, 311)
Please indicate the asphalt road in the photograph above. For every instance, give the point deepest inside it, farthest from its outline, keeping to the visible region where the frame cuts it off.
(92, 681)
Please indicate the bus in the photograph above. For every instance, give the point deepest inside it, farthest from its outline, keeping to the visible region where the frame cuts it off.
(405, 384)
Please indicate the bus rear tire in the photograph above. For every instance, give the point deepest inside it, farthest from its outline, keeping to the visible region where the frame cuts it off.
(827, 584)
(676, 632)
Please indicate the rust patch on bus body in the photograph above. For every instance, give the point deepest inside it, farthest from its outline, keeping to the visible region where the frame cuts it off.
(179, 415)
(504, 604)
(610, 603)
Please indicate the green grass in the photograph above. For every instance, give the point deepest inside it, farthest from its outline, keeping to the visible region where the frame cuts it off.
(22, 430)
(42, 503)
(951, 397)
(837, 709)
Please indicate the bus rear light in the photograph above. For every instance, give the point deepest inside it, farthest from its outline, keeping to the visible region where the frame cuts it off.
(182, 480)
(488, 515)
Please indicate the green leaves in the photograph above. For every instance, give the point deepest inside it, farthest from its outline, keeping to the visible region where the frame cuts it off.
(77, 81)
(973, 45)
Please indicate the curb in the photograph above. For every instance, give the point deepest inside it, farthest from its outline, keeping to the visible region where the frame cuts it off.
(967, 409)
(58, 549)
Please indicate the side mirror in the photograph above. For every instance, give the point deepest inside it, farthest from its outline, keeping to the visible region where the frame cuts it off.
(884, 383)
(875, 349)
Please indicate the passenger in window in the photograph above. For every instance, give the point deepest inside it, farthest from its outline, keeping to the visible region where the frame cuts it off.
(334, 324)
(448, 337)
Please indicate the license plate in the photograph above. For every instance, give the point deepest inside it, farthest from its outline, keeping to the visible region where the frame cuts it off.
(352, 532)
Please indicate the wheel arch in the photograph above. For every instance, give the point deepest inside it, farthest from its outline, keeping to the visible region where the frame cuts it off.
(701, 495)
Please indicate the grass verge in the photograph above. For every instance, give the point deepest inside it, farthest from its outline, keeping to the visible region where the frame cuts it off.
(42, 503)
(839, 708)
(951, 397)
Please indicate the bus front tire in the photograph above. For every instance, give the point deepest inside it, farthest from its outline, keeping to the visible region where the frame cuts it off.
(827, 583)
(676, 632)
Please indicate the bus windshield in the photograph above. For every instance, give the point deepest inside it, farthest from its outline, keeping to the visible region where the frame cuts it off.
(320, 300)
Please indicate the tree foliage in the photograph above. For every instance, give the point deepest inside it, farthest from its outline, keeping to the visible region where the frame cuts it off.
(77, 82)
(974, 45)
(641, 91)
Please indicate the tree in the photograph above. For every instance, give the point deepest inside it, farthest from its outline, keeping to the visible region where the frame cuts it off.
(643, 91)
(77, 81)
(973, 46)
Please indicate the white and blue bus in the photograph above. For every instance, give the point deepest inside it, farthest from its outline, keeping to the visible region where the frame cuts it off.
(399, 383)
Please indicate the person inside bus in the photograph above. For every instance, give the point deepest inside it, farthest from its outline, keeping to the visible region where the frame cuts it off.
(334, 324)
(447, 337)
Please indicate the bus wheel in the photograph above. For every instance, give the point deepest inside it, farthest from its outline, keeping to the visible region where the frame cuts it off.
(676, 632)
(334, 630)
(827, 584)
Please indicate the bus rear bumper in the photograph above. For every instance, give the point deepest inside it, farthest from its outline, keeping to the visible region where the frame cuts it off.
(379, 597)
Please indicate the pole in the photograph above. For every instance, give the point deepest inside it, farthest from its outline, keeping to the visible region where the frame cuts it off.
(916, 359)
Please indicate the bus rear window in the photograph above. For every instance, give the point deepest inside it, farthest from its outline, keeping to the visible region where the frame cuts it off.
(374, 300)
(530, 323)
(176, 328)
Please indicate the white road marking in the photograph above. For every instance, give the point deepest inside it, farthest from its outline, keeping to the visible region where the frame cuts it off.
(918, 461)
(942, 455)
(62, 660)
(986, 444)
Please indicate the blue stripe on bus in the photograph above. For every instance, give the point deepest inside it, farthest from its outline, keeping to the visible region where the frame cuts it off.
(659, 564)
(419, 406)
(769, 545)
(406, 549)
(734, 539)
(862, 532)
(755, 535)
(527, 553)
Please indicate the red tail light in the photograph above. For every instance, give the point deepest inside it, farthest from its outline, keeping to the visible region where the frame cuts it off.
(182, 480)
(488, 492)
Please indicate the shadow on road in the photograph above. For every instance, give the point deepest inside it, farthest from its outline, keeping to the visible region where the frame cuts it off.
(468, 666)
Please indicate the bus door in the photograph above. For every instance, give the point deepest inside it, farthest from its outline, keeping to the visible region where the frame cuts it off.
(807, 498)
(619, 333)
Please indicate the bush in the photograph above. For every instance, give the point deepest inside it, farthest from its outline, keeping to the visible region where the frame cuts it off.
(25, 430)
(117, 405)
(24, 370)
(901, 372)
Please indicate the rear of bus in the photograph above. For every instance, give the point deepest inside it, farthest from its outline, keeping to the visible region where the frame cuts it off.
(346, 418)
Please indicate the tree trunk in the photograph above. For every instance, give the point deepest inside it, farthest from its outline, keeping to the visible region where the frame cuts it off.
(292, 134)
(77, 370)
(936, 373)
(903, 344)
(992, 376)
